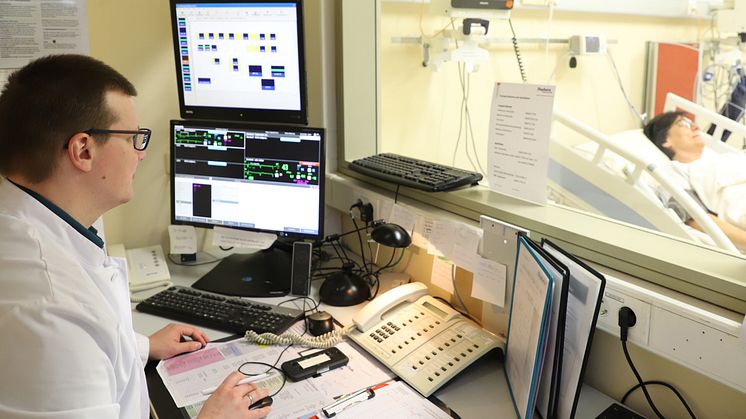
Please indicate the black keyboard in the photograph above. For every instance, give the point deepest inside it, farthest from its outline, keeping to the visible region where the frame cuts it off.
(420, 174)
(233, 315)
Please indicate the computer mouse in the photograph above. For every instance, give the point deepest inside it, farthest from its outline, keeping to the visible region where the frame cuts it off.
(320, 323)
(263, 402)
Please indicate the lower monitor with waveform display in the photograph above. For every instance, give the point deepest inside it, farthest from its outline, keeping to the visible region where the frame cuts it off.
(251, 177)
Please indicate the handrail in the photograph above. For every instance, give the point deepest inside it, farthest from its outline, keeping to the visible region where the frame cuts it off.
(654, 168)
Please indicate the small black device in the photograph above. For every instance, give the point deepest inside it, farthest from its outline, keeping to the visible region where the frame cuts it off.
(233, 315)
(419, 174)
(617, 411)
(310, 365)
(300, 273)
(320, 323)
(263, 402)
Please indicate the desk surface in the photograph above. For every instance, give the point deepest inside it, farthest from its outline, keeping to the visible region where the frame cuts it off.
(479, 391)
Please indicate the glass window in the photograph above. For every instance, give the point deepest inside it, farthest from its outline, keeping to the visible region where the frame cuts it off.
(412, 110)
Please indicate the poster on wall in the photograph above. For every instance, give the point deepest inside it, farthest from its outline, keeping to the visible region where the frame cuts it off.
(520, 122)
(35, 28)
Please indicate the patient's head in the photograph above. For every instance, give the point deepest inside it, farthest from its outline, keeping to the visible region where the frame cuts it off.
(675, 135)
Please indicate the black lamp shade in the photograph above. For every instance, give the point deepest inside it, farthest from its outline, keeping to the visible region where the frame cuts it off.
(391, 235)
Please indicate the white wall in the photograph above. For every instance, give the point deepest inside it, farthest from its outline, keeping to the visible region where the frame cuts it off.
(420, 108)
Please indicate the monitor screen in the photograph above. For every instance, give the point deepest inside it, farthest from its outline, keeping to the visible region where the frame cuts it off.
(261, 178)
(240, 60)
(253, 177)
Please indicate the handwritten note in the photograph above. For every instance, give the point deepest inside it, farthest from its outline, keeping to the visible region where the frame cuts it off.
(442, 274)
(183, 239)
(489, 282)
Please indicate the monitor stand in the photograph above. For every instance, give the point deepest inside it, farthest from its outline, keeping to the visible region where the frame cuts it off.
(265, 273)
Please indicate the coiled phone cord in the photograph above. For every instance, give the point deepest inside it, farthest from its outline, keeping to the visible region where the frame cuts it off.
(324, 341)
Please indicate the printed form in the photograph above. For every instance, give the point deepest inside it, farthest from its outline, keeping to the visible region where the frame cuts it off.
(187, 375)
(520, 124)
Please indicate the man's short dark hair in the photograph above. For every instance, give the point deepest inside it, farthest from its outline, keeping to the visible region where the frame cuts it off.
(657, 129)
(46, 102)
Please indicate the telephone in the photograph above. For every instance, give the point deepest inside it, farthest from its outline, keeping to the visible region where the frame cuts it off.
(146, 267)
(419, 338)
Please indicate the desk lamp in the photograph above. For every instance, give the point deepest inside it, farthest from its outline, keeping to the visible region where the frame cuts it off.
(345, 287)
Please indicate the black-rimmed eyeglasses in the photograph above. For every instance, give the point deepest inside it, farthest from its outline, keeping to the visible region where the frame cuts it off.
(140, 137)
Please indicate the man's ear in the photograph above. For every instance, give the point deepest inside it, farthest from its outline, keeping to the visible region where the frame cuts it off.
(80, 151)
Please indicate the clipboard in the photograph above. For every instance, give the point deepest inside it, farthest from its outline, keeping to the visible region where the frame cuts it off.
(549, 387)
(585, 293)
(531, 304)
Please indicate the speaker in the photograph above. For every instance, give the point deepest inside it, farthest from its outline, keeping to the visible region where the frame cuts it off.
(300, 274)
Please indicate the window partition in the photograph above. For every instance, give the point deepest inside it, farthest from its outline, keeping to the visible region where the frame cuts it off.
(390, 103)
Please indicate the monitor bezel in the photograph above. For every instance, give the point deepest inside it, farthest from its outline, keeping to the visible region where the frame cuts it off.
(257, 115)
(249, 126)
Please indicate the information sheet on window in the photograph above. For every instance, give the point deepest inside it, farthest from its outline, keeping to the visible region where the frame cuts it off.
(520, 122)
(34, 28)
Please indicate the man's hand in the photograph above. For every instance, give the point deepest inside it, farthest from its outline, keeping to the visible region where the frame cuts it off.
(232, 401)
(170, 341)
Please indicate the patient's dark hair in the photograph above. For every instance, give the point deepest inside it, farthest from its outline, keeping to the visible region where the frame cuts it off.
(46, 102)
(657, 130)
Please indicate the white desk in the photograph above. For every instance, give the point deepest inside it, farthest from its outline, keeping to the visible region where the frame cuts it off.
(479, 391)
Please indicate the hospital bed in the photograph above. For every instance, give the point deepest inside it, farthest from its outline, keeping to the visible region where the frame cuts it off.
(626, 178)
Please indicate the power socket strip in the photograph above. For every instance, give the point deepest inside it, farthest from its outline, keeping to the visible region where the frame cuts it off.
(608, 316)
(687, 331)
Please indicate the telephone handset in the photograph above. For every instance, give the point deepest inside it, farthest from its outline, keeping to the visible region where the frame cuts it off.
(422, 340)
(371, 313)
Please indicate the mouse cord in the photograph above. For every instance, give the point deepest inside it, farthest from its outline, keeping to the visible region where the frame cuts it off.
(324, 341)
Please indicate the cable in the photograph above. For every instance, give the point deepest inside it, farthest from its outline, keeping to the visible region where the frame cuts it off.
(324, 341)
(624, 92)
(639, 380)
(455, 289)
(517, 51)
(627, 319)
(270, 367)
(660, 383)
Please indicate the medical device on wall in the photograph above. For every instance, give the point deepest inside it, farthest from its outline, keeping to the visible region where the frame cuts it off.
(464, 43)
(260, 178)
(587, 44)
(240, 60)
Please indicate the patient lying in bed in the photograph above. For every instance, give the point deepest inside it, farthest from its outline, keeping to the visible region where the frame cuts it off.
(718, 179)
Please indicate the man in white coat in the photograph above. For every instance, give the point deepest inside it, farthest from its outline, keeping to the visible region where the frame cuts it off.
(70, 144)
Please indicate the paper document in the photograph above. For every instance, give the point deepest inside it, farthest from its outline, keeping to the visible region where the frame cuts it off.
(518, 155)
(442, 274)
(393, 400)
(228, 237)
(33, 29)
(183, 239)
(186, 376)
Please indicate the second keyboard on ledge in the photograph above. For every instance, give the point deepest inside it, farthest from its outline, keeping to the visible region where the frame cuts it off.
(227, 314)
(420, 174)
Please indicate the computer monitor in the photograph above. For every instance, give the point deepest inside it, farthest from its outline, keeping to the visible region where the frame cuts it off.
(252, 177)
(240, 60)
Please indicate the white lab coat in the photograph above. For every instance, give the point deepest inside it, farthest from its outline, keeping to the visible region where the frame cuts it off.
(68, 348)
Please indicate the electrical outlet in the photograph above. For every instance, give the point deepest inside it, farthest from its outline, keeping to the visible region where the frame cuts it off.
(608, 316)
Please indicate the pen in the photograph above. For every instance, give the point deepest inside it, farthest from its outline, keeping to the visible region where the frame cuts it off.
(348, 400)
(246, 380)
